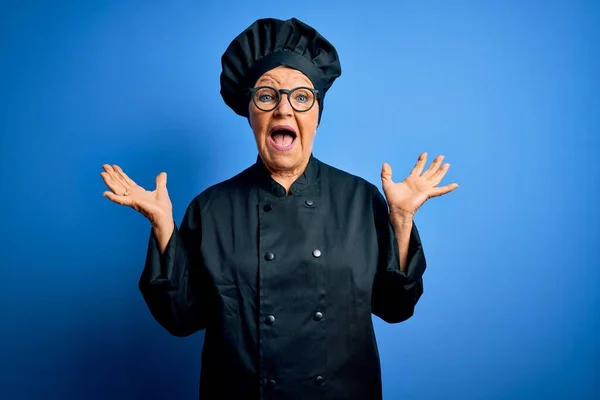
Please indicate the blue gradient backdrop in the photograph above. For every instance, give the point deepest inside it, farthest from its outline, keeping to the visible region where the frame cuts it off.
(507, 90)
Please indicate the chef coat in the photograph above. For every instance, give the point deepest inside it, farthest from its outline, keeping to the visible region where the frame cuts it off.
(285, 285)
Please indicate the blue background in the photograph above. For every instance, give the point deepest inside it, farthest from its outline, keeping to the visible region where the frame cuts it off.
(507, 90)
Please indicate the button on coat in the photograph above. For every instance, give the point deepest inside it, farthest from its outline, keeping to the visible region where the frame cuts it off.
(285, 285)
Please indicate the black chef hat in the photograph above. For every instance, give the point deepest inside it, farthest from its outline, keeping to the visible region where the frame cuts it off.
(269, 43)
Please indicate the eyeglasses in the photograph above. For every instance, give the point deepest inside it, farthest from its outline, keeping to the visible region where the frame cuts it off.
(266, 98)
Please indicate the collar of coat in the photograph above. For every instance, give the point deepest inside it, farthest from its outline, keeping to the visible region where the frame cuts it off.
(308, 179)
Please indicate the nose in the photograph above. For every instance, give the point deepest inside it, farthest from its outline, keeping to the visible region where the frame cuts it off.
(284, 108)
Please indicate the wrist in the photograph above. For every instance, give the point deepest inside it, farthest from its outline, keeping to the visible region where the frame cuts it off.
(163, 232)
(401, 216)
(163, 224)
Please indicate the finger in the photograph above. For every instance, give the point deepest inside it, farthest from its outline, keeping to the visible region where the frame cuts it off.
(109, 169)
(118, 184)
(442, 190)
(418, 168)
(161, 185)
(161, 181)
(119, 177)
(434, 166)
(439, 174)
(386, 172)
(124, 176)
(122, 200)
(111, 183)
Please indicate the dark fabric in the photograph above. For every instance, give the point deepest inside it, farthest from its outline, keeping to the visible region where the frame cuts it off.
(285, 286)
(269, 43)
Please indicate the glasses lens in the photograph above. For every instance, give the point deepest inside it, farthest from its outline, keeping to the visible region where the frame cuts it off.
(302, 99)
(266, 98)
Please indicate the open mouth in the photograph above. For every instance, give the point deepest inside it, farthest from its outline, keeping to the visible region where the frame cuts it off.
(282, 137)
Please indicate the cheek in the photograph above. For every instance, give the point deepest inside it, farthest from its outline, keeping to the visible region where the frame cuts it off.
(308, 125)
(258, 122)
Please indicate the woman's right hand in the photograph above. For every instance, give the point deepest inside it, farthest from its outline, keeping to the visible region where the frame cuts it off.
(154, 205)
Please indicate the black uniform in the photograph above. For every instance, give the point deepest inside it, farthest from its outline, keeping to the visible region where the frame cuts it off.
(285, 285)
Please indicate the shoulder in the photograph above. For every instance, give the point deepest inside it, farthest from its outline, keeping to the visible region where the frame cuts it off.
(222, 191)
(346, 181)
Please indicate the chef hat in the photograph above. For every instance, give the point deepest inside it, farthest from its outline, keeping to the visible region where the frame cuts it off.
(269, 43)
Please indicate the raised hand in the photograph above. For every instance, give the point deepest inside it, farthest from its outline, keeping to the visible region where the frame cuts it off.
(154, 205)
(408, 196)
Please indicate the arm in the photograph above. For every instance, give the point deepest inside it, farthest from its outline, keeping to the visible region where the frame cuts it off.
(399, 279)
(174, 283)
(398, 283)
(402, 224)
(162, 232)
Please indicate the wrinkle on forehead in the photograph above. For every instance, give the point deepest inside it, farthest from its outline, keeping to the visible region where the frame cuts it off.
(279, 74)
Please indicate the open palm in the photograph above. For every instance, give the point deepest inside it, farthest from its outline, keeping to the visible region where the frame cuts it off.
(408, 196)
(154, 205)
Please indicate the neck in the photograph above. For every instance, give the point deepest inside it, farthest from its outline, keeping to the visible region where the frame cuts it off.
(286, 182)
(286, 177)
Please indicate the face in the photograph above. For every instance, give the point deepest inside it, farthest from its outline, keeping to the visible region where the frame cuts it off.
(284, 136)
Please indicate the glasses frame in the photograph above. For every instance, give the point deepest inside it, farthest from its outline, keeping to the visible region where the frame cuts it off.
(281, 92)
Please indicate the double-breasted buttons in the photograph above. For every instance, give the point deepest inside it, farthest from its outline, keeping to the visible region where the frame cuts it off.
(267, 207)
(317, 253)
(270, 320)
(318, 316)
(309, 203)
(319, 380)
(269, 256)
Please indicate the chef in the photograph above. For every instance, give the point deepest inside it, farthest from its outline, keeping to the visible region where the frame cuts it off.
(284, 264)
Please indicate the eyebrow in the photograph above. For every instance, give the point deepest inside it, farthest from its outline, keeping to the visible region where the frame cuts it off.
(267, 79)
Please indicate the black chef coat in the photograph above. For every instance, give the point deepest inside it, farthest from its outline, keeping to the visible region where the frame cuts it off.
(284, 285)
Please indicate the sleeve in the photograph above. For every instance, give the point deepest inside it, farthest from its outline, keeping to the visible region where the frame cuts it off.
(175, 285)
(395, 293)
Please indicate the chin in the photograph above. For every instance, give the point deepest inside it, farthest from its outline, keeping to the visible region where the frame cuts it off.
(283, 161)
(280, 161)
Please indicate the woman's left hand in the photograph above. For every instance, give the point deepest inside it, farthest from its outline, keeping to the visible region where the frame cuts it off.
(406, 197)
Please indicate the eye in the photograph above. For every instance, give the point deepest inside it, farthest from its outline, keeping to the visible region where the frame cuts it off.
(303, 96)
(265, 95)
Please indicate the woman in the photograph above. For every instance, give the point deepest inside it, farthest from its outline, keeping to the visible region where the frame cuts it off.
(283, 264)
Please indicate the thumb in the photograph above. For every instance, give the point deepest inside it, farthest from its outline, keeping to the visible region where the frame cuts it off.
(386, 172)
(161, 181)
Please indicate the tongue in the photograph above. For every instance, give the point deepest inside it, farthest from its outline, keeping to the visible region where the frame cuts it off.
(282, 138)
